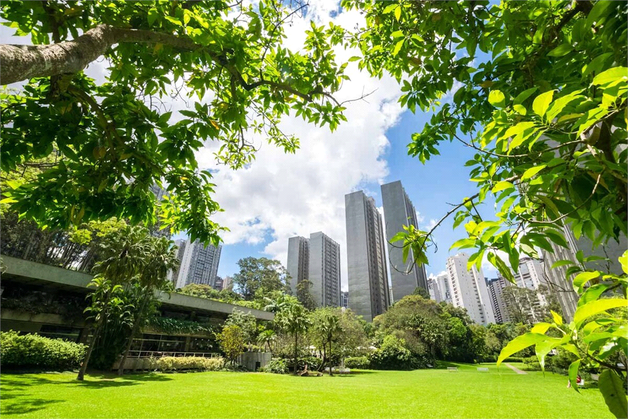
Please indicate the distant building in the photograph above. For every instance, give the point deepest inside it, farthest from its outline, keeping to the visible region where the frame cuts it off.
(344, 299)
(298, 265)
(199, 265)
(439, 288)
(399, 212)
(530, 273)
(227, 283)
(218, 283)
(469, 289)
(495, 290)
(156, 229)
(369, 293)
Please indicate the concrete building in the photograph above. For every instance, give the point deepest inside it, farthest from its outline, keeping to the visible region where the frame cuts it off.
(298, 261)
(468, 289)
(344, 299)
(440, 284)
(530, 273)
(199, 265)
(227, 283)
(432, 288)
(495, 290)
(369, 293)
(399, 212)
(324, 270)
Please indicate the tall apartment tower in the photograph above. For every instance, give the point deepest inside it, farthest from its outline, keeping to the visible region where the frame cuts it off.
(199, 265)
(439, 288)
(495, 290)
(399, 212)
(530, 273)
(298, 261)
(316, 259)
(369, 294)
(469, 289)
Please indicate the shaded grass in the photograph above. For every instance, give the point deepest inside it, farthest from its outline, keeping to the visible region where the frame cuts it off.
(466, 393)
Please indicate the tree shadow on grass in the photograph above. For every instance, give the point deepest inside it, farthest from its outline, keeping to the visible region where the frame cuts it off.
(23, 405)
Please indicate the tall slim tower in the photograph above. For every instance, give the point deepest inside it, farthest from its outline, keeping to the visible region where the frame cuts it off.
(298, 261)
(495, 290)
(199, 264)
(369, 293)
(399, 212)
(469, 289)
(324, 270)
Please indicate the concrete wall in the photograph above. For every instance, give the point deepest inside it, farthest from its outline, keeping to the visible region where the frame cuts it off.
(250, 360)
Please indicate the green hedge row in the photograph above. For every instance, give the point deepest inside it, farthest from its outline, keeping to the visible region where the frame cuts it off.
(34, 351)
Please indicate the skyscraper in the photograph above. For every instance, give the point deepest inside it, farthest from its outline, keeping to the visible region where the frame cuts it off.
(369, 293)
(439, 288)
(199, 265)
(316, 259)
(324, 270)
(495, 290)
(298, 261)
(399, 212)
(530, 273)
(469, 289)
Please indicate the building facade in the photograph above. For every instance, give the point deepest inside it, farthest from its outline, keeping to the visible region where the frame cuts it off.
(469, 290)
(344, 299)
(156, 230)
(324, 270)
(495, 290)
(298, 261)
(399, 212)
(369, 293)
(199, 265)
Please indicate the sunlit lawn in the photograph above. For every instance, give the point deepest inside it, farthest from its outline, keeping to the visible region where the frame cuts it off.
(467, 393)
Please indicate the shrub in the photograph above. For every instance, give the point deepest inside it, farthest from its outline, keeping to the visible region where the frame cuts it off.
(393, 355)
(181, 363)
(276, 366)
(34, 351)
(359, 362)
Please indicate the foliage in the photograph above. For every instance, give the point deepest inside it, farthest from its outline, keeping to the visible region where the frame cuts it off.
(206, 291)
(182, 363)
(294, 321)
(260, 276)
(359, 362)
(276, 366)
(352, 339)
(324, 331)
(422, 292)
(393, 355)
(34, 351)
(304, 294)
(172, 326)
(35, 301)
(232, 342)
(247, 324)
(228, 60)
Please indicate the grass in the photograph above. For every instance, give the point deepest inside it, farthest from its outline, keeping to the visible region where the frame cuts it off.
(467, 393)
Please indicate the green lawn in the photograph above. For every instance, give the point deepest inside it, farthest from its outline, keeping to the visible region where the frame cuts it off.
(466, 393)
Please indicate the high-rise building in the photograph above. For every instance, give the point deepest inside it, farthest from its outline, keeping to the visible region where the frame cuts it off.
(439, 288)
(469, 289)
(156, 230)
(199, 264)
(316, 259)
(399, 212)
(218, 283)
(298, 261)
(344, 299)
(174, 274)
(324, 270)
(227, 283)
(495, 290)
(432, 287)
(369, 293)
(530, 273)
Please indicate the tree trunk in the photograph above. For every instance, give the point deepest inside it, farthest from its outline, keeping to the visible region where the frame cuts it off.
(136, 326)
(90, 348)
(296, 352)
(331, 374)
(22, 62)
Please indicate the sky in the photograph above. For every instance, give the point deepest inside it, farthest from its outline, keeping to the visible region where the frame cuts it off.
(282, 195)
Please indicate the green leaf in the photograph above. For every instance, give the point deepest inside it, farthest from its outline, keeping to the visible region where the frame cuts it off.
(503, 185)
(623, 259)
(152, 16)
(582, 278)
(398, 13)
(540, 328)
(463, 244)
(573, 374)
(521, 97)
(592, 293)
(398, 47)
(560, 50)
(528, 174)
(542, 102)
(496, 98)
(612, 388)
(559, 263)
(597, 306)
(558, 319)
(501, 266)
(612, 76)
(520, 109)
(520, 343)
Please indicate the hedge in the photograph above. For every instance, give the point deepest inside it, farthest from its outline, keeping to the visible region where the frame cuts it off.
(359, 362)
(35, 351)
(181, 363)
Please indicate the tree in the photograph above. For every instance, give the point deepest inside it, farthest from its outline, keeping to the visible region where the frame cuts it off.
(122, 259)
(266, 337)
(294, 320)
(114, 140)
(158, 259)
(304, 295)
(422, 292)
(247, 324)
(546, 130)
(260, 276)
(232, 342)
(352, 339)
(325, 329)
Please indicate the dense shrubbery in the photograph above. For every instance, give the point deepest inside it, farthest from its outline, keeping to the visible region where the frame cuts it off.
(393, 355)
(276, 366)
(359, 362)
(173, 363)
(34, 351)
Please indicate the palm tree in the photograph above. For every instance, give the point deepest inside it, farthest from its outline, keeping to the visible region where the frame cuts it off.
(159, 258)
(326, 325)
(294, 320)
(122, 252)
(266, 337)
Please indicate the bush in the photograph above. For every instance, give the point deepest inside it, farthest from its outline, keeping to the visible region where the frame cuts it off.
(393, 355)
(359, 362)
(34, 351)
(181, 363)
(276, 366)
